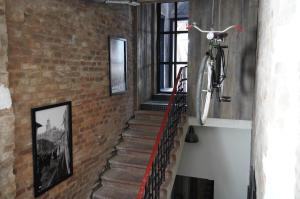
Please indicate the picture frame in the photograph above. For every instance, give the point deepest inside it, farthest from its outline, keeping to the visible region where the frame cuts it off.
(117, 65)
(51, 145)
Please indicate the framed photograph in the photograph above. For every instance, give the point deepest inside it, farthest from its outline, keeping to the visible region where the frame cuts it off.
(117, 65)
(51, 145)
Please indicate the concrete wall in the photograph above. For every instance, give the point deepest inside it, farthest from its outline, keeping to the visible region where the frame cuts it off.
(241, 59)
(146, 63)
(223, 155)
(7, 137)
(58, 51)
(276, 128)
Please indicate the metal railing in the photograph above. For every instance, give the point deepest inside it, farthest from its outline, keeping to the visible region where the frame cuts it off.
(160, 156)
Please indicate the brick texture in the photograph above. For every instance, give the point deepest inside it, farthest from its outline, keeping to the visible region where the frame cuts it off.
(7, 177)
(58, 51)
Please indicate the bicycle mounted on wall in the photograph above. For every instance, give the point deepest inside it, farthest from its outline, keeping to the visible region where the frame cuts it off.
(212, 71)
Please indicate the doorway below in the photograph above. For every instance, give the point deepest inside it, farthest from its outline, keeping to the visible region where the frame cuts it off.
(190, 187)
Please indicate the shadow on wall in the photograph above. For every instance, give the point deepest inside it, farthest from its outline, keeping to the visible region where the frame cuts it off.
(248, 69)
(247, 73)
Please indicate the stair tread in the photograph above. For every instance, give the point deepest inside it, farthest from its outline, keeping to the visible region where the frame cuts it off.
(149, 115)
(153, 102)
(140, 133)
(128, 160)
(145, 112)
(109, 192)
(136, 146)
(149, 122)
(125, 176)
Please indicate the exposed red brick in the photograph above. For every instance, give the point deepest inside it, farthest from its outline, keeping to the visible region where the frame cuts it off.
(58, 51)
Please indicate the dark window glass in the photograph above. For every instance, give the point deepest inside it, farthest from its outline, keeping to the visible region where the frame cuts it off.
(173, 42)
(167, 15)
(166, 47)
(183, 10)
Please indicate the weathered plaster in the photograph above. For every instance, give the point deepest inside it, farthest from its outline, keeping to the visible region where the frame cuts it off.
(7, 117)
(276, 127)
(5, 98)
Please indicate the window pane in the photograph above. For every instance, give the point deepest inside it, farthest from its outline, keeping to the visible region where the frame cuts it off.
(166, 47)
(182, 24)
(167, 17)
(183, 9)
(166, 77)
(182, 47)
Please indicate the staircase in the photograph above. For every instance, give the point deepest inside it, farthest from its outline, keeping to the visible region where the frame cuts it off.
(147, 158)
(127, 167)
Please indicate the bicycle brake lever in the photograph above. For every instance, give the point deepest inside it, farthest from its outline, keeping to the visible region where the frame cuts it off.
(189, 27)
(239, 28)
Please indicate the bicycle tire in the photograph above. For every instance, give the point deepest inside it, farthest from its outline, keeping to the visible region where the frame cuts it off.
(203, 89)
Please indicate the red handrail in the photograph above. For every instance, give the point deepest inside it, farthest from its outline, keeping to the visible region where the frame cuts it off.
(158, 138)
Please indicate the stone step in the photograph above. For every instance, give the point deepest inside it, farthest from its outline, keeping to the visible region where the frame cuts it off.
(145, 122)
(127, 161)
(112, 192)
(151, 115)
(140, 134)
(145, 125)
(130, 147)
(161, 97)
(154, 105)
(126, 178)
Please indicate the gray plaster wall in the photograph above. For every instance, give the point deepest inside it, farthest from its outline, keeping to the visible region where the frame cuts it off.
(145, 52)
(241, 55)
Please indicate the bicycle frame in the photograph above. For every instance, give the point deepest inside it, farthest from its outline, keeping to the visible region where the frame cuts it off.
(217, 76)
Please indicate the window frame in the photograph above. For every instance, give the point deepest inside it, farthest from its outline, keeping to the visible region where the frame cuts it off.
(173, 49)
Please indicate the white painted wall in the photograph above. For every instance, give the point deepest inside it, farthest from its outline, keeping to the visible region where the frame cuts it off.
(222, 155)
(276, 128)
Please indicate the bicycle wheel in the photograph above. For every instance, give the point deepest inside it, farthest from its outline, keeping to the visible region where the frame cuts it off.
(204, 89)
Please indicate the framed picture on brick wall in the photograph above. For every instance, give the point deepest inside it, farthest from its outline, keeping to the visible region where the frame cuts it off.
(51, 145)
(117, 65)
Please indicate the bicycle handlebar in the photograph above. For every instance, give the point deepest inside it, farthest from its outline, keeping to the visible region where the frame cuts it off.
(237, 27)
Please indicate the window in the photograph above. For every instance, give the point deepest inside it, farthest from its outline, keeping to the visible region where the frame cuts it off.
(172, 42)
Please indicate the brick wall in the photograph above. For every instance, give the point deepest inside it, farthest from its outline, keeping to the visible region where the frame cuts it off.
(58, 51)
(7, 178)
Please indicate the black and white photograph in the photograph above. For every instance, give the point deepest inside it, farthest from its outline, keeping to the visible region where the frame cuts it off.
(52, 145)
(117, 65)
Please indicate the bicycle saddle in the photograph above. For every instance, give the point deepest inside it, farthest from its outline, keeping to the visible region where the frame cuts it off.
(220, 35)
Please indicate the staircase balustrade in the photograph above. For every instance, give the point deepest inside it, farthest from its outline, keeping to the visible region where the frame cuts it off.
(155, 173)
